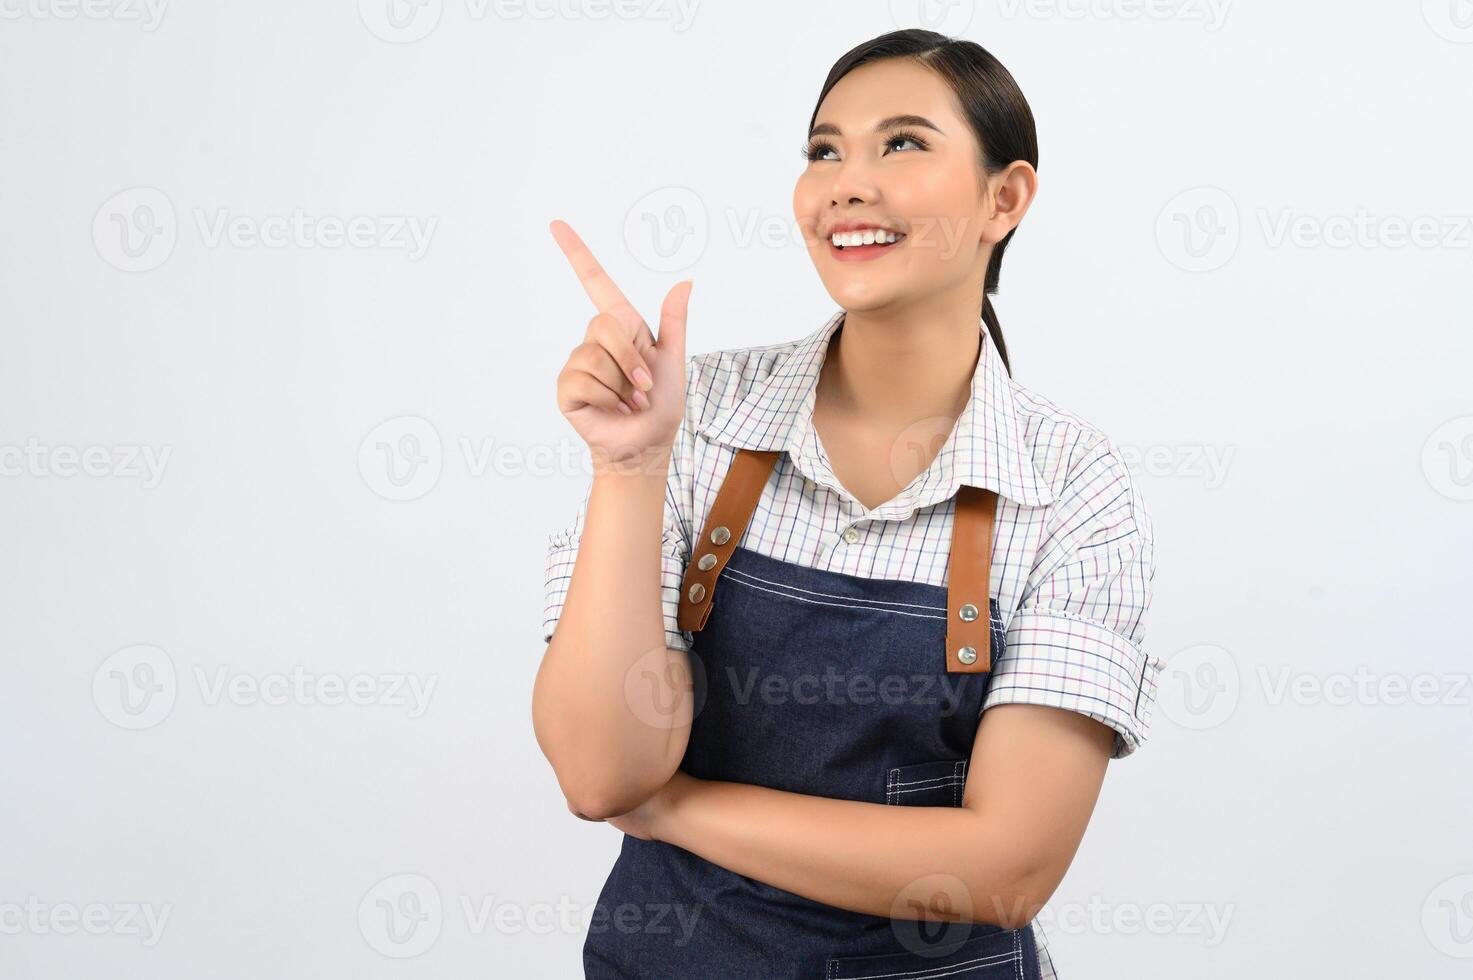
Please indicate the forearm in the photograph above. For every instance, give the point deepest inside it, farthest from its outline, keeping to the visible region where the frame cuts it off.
(897, 861)
(611, 704)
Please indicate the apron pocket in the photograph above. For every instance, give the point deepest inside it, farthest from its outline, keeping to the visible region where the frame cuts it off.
(995, 956)
(926, 784)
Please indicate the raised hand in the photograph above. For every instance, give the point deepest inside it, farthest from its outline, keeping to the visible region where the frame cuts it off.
(622, 389)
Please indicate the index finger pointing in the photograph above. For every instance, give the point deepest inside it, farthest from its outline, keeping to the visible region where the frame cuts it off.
(596, 282)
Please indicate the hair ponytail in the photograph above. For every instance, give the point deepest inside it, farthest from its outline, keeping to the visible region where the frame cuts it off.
(994, 330)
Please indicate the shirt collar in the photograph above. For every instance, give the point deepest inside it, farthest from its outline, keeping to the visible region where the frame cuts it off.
(986, 448)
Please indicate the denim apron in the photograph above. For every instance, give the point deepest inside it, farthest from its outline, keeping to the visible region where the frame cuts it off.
(825, 684)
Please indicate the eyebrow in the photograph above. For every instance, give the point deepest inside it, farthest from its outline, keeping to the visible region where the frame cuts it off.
(893, 122)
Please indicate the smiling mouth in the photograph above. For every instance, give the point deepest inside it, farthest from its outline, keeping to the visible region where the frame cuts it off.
(866, 239)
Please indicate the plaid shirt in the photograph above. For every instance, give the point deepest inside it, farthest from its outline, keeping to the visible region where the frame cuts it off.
(1072, 547)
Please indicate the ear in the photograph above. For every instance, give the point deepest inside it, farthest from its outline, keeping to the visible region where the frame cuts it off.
(1009, 194)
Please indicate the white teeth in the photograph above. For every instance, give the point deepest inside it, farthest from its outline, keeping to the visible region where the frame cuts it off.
(869, 236)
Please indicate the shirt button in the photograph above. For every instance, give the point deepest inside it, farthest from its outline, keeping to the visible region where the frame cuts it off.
(851, 536)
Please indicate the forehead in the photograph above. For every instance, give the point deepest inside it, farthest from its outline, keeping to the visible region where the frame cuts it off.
(891, 87)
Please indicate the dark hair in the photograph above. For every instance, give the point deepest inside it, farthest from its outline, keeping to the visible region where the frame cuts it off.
(991, 101)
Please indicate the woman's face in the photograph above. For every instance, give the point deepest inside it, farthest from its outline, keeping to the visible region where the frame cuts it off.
(925, 182)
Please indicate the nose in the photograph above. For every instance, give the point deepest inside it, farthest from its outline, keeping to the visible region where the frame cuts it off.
(853, 184)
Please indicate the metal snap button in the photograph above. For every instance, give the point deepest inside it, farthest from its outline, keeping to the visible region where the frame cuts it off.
(707, 562)
(697, 592)
(720, 535)
(967, 655)
(968, 612)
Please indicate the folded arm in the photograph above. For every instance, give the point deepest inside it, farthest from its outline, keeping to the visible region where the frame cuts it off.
(1033, 780)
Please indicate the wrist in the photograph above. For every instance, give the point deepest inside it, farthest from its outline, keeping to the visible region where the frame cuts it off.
(672, 806)
(622, 463)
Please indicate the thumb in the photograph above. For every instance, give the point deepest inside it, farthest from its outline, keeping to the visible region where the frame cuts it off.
(672, 322)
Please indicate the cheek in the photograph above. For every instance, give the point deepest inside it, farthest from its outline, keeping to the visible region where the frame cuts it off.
(808, 204)
(941, 207)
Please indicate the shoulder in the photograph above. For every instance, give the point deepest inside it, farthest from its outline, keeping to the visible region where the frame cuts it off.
(1085, 469)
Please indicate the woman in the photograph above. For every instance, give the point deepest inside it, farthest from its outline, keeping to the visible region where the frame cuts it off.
(848, 627)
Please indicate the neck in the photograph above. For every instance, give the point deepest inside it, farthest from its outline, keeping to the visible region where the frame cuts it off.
(892, 371)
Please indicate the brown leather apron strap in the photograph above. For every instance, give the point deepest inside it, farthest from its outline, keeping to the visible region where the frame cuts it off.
(968, 578)
(968, 575)
(727, 522)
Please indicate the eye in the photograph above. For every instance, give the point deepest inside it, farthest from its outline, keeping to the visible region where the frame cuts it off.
(906, 138)
(816, 150)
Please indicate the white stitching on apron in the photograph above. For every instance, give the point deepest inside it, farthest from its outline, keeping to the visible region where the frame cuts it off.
(950, 969)
(737, 573)
(841, 605)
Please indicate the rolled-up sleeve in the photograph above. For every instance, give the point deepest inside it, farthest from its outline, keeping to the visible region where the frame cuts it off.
(562, 552)
(1075, 640)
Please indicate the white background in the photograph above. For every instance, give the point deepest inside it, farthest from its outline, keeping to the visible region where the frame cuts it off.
(1217, 272)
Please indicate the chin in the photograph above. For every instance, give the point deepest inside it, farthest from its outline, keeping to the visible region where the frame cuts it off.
(855, 296)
